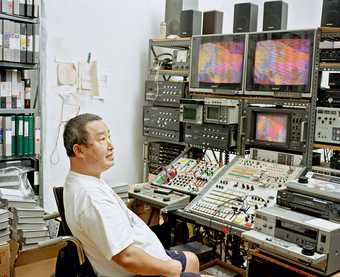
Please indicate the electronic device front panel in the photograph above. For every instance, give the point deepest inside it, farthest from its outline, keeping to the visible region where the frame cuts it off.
(236, 191)
(187, 175)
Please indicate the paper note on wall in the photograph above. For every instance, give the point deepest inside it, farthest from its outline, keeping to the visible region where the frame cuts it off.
(67, 74)
(88, 78)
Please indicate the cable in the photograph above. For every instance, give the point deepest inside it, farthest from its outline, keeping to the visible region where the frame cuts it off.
(55, 152)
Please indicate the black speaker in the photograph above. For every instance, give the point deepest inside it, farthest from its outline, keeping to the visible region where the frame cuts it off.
(275, 15)
(330, 13)
(212, 22)
(173, 9)
(245, 17)
(191, 23)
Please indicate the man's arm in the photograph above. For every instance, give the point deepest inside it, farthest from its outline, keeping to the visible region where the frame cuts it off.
(137, 261)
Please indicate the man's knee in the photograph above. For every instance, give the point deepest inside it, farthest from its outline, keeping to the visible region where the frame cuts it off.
(193, 264)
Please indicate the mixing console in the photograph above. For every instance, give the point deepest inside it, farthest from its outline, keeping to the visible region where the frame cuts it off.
(187, 175)
(238, 190)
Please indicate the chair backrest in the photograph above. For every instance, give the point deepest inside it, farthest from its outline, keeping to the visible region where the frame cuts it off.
(58, 195)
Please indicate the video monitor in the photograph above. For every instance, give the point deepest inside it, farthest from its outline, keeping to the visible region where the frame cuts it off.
(271, 127)
(217, 63)
(280, 63)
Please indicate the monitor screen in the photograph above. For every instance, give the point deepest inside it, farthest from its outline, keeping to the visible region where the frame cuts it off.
(282, 62)
(189, 113)
(213, 113)
(217, 62)
(271, 127)
(221, 62)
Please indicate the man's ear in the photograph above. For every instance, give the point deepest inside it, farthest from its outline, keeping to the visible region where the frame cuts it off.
(78, 152)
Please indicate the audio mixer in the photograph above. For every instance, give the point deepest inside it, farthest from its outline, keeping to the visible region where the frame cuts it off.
(236, 191)
(187, 175)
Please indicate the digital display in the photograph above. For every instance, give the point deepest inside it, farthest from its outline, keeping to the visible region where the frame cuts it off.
(221, 62)
(213, 113)
(281, 62)
(271, 127)
(189, 113)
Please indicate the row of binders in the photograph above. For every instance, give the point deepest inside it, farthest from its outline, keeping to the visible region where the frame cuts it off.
(20, 42)
(19, 135)
(28, 8)
(12, 90)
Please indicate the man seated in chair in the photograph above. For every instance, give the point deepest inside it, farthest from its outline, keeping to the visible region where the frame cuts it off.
(116, 241)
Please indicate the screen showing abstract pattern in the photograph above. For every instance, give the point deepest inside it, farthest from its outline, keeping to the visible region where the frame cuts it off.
(221, 62)
(271, 127)
(282, 62)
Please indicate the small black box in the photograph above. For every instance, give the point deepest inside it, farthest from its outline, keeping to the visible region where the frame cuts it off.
(212, 22)
(275, 15)
(245, 17)
(191, 23)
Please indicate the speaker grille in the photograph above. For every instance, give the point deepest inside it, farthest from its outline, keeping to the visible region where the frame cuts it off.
(331, 13)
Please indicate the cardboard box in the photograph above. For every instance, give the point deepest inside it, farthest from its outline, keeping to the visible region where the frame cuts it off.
(4, 260)
(41, 258)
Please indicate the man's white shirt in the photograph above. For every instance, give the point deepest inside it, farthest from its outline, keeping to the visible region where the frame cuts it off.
(104, 225)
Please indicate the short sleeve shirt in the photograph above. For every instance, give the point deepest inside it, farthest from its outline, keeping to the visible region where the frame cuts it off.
(104, 225)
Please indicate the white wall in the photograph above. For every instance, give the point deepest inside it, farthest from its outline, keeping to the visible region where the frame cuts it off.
(117, 33)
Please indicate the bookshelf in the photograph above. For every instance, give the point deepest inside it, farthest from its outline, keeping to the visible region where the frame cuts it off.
(20, 107)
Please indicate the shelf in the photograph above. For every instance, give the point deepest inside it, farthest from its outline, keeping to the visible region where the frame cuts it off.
(171, 72)
(329, 29)
(328, 146)
(22, 157)
(325, 169)
(14, 65)
(19, 18)
(18, 111)
(329, 66)
(178, 42)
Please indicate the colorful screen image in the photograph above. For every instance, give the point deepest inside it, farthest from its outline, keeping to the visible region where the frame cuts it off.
(271, 127)
(221, 62)
(282, 62)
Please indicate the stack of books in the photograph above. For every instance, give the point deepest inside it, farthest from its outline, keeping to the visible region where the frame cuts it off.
(123, 191)
(28, 226)
(4, 226)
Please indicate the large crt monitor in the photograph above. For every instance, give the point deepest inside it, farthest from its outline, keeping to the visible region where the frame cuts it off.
(217, 64)
(280, 63)
(276, 128)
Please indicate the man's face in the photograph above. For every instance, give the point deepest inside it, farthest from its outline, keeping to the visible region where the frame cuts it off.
(98, 153)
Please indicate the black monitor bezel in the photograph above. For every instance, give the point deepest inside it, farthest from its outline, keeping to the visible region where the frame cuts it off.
(251, 132)
(255, 37)
(196, 42)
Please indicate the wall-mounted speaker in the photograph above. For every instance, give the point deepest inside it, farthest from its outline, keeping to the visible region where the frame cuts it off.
(275, 15)
(173, 9)
(191, 23)
(330, 13)
(212, 22)
(245, 17)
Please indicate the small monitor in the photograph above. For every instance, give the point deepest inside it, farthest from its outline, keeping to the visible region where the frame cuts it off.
(213, 113)
(280, 62)
(271, 127)
(189, 113)
(217, 63)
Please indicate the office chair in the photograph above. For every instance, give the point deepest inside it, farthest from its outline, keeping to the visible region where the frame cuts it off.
(71, 250)
(58, 195)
